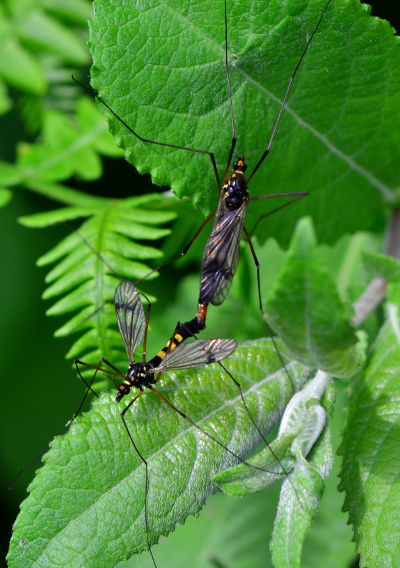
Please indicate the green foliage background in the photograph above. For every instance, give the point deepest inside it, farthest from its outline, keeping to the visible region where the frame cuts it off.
(53, 142)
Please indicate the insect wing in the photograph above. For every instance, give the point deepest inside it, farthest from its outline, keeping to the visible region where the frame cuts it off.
(130, 316)
(221, 254)
(196, 354)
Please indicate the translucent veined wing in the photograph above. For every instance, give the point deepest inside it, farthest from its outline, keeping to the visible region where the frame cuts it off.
(196, 354)
(130, 316)
(221, 254)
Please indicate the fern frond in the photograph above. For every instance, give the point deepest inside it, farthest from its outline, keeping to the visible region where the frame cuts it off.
(89, 266)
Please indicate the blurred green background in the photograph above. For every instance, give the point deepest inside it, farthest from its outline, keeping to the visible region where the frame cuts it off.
(43, 391)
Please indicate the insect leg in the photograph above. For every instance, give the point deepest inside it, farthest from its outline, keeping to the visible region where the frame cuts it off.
(233, 144)
(94, 94)
(255, 424)
(105, 371)
(273, 211)
(209, 435)
(261, 308)
(146, 487)
(185, 250)
(265, 154)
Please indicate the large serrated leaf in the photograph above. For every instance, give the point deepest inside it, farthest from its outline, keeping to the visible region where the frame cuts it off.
(96, 461)
(305, 309)
(162, 70)
(370, 451)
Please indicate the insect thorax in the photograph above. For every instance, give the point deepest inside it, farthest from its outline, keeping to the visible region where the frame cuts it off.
(137, 376)
(235, 191)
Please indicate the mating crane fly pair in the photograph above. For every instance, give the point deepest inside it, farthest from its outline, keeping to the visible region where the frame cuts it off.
(218, 267)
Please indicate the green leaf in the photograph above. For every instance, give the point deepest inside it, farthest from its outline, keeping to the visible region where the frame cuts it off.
(370, 451)
(77, 12)
(96, 460)
(162, 70)
(301, 426)
(293, 522)
(5, 101)
(217, 538)
(5, 196)
(240, 482)
(9, 175)
(338, 550)
(86, 280)
(63, 194)
(67, 149)
(306, 311)
(41, 220)
(382, 265)
(42, 32)
(18, 66)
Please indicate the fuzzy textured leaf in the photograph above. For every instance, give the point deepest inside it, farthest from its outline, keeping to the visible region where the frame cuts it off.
(161, 68)
(300, 430)
(96, 459)
(370, 447)
(292, 522)
(382, 265)
(305, 309)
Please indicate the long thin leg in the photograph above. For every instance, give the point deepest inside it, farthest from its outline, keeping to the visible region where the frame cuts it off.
(106, 371)
(272, 212)
(146, 487)
(95, 252)
(183, 253)
(89, 386)
(152, 141)
(288, 194)
(238, 385)
(265, 154)
(261, 308)
(233, 144)
(258, 429)
(209, 435)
